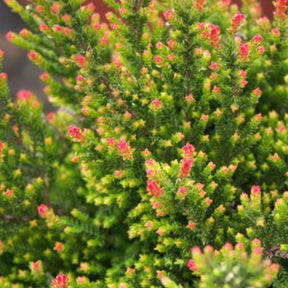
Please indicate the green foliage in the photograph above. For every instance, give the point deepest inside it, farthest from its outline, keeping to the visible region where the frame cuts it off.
(169, 132)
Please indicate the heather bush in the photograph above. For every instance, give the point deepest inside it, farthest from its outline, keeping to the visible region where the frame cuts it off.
(165, 161)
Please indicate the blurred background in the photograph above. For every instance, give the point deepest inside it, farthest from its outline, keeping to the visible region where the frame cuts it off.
(22, 73)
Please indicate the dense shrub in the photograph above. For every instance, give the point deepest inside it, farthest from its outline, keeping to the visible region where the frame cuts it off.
(165, 162)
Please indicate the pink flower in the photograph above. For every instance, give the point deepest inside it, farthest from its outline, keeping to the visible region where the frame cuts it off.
(44, 77)
(67, 31)
(3, 76)
(150, 162)
(158, 59)
(258, 117)
(118, 173)
(225, 3)
(171, 57)
(110, 142)
(237, 20)
(24, 33)
(188, 150)
(36, 267)
(257, 91)
(66, 18)
(24, 95)
(168, 14)
(43, 210)
(58, 247)
(80, 78)
(190, 98)
(228, 246)
(257, 39)
(159, 45)
(244, 51)
(154, 189)
(281, 7)
(258, 251)
(199, 4)
(1, 147)
(182, 192)
(208, 201)
(10, 36)
(171, 43)
(214, 66)
(243, 74)
(55, 8)
(146, 152)
(276, 32)
(104, 41)
(214, 35)
(32, 55)
(123, 11)
(256, 242)
(125, 150)
(39, 8)
(81, 60)
(185, 167)
(75, 133)
(261, 50)
(195, 251)
(43, 27)
(244, 83)
(256, 189)
(191, 265)
(90, 7)
(216, 90)
(148, 225)
(156, 104)
(9, 193)
(61, 281)
(57, 28)
(191, 225)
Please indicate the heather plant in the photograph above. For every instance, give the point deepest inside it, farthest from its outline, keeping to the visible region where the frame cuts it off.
(165, 161)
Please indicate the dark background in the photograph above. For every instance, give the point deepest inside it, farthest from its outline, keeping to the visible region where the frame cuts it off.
(23, 74)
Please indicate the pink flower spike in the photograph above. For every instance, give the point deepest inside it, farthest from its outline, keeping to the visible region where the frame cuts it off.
(91, 7)
(256, 189)
(3, 76)
(61, 281)
(2, 53)
(244, 51)
(214, 66)
(257, 39)
(237, 20)
(259, 116)
(257, 91)
(188, 150)
(156, 104)
(182, 192)
(55, 8)
(191, 225)
(261, 50)
(185, 167)
(75, 133)
(154, 189)
(43, 210)
(10, 36)
(81, 60)
(191, 265)
(168, 14)
(58, 247)
(171, 43)
(158, 59)
(276, 32)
